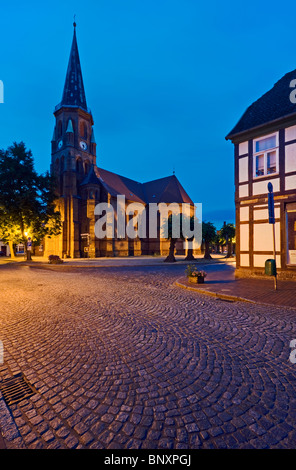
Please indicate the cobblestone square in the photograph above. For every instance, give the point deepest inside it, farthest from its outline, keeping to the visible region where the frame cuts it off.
(121, 358)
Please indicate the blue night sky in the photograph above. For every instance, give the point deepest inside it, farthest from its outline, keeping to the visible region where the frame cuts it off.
(166, 80)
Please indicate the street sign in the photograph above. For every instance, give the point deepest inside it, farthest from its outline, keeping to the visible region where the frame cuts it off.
(29, 244)
(271, 218)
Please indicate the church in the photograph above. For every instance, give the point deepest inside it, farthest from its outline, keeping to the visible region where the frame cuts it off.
(81, 184)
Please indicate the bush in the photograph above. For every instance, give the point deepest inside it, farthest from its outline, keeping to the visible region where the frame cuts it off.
(54, 259)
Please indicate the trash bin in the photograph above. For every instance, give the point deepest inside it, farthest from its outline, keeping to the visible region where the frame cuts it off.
(270, 267)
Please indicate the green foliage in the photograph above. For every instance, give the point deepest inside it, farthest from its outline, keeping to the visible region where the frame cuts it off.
(228, 232)
(26, 199)
(191, 270)
(208, 232)
(177, 222)
(172, 223)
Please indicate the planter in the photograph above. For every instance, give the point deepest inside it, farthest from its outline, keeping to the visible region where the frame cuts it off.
(196, 279)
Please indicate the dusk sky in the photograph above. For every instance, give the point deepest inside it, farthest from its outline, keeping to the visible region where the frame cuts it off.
(166, 81)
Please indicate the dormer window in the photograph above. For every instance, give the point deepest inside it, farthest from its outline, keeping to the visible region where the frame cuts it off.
(266, 156)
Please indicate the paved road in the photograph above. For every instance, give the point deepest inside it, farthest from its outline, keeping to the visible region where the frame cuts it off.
(121, 358)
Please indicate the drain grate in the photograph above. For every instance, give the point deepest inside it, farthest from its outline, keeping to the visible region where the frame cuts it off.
(16, 389)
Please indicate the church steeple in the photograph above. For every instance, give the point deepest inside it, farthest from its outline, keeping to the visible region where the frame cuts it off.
(74, 94)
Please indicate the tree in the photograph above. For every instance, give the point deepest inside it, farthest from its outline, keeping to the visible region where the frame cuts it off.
(27, 208)
(176, 222)
(169, 227)
(228, 232)
(189, 256)
(208, 235)
(9, 232)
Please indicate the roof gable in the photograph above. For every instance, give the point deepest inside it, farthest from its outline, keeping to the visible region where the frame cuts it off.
(166, 189)
(273, 105)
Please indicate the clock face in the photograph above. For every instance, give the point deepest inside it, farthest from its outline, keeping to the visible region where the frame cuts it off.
(83, 145)
(60, 144)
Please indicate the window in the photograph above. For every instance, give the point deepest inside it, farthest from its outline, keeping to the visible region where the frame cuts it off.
(266, 156)
(271, 162)
(260, 165)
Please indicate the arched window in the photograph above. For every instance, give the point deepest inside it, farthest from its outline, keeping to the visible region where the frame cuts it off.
(86, 167)
(60, 129)
(62, 166)
(79, 166)
(83, 129)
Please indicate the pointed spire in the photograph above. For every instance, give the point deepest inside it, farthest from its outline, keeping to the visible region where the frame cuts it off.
(74, 94)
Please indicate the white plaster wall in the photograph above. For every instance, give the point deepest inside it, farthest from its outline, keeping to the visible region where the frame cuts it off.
(290, 182)
(244, 237)
(244, 260)
(260, 187)
(263, 213)
(259, 260)
(243, 166)
(244, 213)
(290, 158)
(243, 148)
(290, 133)
(243, 190)
(263, 237)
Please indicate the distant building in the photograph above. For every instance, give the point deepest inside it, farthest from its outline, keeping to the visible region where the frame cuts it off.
(82, 184)
(265, 151)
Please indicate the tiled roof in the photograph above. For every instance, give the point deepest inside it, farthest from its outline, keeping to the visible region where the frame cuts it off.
(273, 105)
(91, 177)
(166, 189)
(116, 184)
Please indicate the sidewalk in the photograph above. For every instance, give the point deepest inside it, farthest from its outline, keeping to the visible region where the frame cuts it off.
(222, 283)
(124, 261)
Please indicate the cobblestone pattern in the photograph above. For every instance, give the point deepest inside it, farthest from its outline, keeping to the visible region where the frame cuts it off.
(121, 358)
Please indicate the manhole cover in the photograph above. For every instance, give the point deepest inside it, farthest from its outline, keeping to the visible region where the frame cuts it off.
(16, 389)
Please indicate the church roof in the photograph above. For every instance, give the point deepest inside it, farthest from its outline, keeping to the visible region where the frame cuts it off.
(91, 177)
(273, 105)
(74, 94)
(166, 189)
(116, 184)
